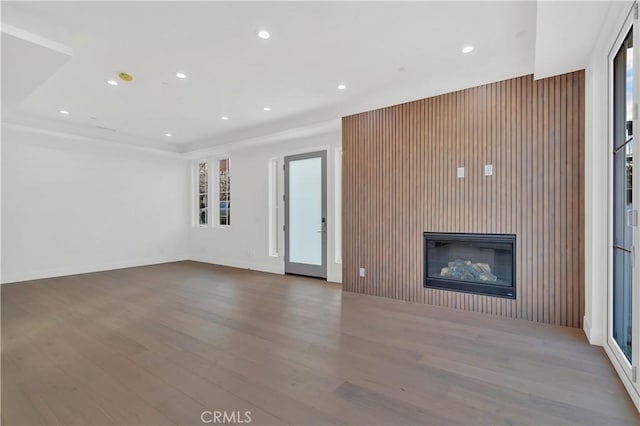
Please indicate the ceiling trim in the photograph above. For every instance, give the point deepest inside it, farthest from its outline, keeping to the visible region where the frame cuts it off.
(331, 126)
(36, 39)
(303, 132)
(87, 139)
(17, 117)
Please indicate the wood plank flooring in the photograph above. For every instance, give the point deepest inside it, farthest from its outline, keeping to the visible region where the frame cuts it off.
(161, 344)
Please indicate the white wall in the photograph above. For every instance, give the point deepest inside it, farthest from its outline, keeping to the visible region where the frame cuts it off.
(596, 175)
(597, 187)
(71, 206)
(245, 244)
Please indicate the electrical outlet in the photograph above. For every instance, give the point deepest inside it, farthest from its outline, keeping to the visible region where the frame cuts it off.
(361, 272)
(488, 169)
(460, 172)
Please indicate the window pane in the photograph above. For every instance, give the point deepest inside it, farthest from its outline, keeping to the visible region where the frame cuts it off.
(204, 202)
(203, 193)
(623, 93)
(224, 192)
(622, 196)
(622, 300)
(629, 91)
(203, 177)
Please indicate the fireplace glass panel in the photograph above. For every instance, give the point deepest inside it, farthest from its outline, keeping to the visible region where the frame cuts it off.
(482, 263)
(475, 263)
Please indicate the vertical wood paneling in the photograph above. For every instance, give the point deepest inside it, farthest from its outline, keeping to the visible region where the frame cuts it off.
(399, 180)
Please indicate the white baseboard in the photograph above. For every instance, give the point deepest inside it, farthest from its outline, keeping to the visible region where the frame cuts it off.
(273, 268)
(594, 334)
(85, 269)
(234, 263)
(335, 277)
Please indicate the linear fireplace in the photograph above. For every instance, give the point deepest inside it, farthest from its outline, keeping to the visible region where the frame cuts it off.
(471, 263)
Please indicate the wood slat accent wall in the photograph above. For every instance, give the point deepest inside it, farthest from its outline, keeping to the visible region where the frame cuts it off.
(399, 180)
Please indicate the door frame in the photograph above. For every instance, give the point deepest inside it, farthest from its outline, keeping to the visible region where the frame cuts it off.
(623, 365)
(317, 271)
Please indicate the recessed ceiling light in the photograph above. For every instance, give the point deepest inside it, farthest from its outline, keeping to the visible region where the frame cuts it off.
(168, 135)
(64, 112)
(181, 75)
(112, 82)
(342, 86)
(267, 109)
(224, 117)
(467, 49)
(264, 34)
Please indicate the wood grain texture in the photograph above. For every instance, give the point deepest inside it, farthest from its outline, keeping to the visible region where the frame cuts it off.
(399, 180)
(159, 344)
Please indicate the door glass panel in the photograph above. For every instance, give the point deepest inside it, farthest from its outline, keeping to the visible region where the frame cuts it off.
(622, 196)
(305, 211)
(622, 300)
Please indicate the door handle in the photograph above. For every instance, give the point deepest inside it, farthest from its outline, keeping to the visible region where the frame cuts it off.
(323, 224)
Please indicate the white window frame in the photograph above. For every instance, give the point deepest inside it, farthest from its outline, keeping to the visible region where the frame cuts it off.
(217, 160)
(196, 192)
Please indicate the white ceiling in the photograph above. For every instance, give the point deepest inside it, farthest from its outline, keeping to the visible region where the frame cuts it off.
(34, 59)
(386, 53)
(566, 33)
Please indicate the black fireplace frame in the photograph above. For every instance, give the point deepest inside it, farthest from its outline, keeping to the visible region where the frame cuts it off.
(484, 289)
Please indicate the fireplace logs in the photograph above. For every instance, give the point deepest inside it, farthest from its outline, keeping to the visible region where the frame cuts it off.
(468, 271)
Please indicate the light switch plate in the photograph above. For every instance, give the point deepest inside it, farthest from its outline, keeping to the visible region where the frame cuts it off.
(488, 169)
(361, 272)
(460, 172)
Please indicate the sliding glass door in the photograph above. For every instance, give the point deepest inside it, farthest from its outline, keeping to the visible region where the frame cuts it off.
(623, 294)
